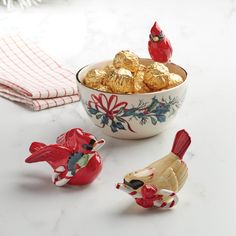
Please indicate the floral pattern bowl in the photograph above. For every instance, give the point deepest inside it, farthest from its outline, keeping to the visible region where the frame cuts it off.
(132, 116)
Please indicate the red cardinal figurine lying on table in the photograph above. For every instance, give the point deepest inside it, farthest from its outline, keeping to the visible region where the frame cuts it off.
(159, 46)
(74, 157)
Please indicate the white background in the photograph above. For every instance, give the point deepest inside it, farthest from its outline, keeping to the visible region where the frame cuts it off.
(77, 33)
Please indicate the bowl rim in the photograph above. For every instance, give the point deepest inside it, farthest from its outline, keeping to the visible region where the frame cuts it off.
(130, 94)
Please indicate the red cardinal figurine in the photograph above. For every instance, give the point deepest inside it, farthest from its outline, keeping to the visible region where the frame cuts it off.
(159, 46)
(74, 157)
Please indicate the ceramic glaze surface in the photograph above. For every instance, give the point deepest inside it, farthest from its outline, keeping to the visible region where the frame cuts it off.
(132, 116)
(74, 157)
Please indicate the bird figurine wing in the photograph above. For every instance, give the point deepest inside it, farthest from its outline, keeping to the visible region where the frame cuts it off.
(75, 140)
(168, 180)
(55, 155)
(71, 139)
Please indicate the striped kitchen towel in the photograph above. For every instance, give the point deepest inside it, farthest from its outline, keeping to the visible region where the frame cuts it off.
(28, 75)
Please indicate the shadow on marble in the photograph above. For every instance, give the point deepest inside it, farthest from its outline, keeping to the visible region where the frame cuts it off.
(133, 209)
(121, 143)
(39, 183)
(126, 147)
(18, 105)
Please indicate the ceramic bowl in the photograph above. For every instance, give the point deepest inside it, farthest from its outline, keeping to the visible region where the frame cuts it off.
(132, 116)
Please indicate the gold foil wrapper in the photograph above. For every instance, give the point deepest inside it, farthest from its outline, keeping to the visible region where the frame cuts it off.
(156, 76)
(158, 67)
(142, 67)
(175, 80)
(139, 85)
(126, 59)
(103, 88)
(94, 78)
(126, 75)
(109, 69)
(121, 81)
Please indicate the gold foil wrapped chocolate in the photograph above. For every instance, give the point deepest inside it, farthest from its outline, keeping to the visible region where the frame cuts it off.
(156, 76)
(174, 80)
(94, 78)
(103, 88)
(121, 81)
(109, 69)
(158, 67)
(139, 85)
(126, 75)
(142, 67)
(126, 59)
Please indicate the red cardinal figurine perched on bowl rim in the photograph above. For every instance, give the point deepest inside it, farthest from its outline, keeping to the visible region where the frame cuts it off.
(159, 45)
(74, 157)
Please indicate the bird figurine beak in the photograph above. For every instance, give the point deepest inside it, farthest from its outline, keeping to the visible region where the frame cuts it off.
(97, 145)
(125, 188)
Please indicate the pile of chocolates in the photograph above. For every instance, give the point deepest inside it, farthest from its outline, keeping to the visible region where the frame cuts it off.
(127, 75)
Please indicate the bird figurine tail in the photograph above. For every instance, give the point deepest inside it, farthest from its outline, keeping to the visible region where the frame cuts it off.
(181, 143)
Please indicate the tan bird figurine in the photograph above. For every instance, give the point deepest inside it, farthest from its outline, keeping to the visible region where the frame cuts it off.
(157, 184)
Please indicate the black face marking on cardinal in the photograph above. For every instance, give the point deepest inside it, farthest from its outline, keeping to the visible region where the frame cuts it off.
(90, 145)
(134, 183)
(156, 38)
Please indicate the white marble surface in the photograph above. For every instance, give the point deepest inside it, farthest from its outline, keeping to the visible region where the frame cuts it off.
(80, 32)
